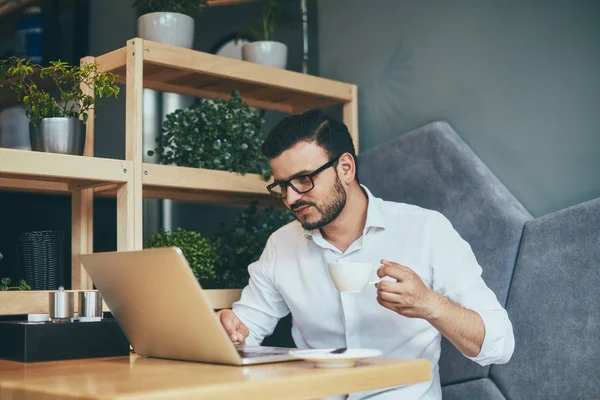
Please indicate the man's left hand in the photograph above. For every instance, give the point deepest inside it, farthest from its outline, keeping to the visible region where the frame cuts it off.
(409, 296)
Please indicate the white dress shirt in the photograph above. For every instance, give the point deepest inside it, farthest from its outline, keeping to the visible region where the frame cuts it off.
(291, 276)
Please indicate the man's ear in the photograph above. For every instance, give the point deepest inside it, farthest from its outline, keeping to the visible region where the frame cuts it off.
(346, 168)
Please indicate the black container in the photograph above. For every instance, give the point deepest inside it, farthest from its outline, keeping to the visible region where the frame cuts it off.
(46, 341)
(42, 258)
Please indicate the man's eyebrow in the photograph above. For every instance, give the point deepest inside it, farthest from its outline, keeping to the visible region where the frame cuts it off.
(297, 174)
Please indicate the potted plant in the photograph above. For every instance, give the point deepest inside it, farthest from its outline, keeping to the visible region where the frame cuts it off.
(5, 283)
(168, 21)
(57, 119)
(220, 134)
(266, 51)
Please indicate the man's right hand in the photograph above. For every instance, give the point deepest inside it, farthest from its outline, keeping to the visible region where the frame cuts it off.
(237, 331)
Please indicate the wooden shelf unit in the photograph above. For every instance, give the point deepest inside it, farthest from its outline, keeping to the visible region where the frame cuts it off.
(193, 73)
(145, 64)
(77, 176)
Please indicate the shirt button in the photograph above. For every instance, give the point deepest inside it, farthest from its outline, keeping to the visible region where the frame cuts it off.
(351, 334)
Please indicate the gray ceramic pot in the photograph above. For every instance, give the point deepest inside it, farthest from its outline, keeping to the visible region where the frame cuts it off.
(58, 135)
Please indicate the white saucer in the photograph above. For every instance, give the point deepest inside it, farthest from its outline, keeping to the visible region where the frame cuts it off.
(324, 359)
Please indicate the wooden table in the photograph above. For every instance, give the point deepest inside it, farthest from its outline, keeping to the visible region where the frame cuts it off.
(137, 377)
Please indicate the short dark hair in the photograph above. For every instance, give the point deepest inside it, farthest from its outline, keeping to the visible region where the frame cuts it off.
(312, 126)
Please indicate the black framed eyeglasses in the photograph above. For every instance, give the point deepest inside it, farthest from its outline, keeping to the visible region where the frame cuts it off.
(301, 183)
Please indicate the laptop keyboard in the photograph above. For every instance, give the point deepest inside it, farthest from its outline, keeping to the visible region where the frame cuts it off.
(261, 352)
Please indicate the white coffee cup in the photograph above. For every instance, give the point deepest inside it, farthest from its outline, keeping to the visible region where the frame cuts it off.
(352, 277)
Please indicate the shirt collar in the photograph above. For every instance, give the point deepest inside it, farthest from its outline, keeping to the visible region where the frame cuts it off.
(375, 217)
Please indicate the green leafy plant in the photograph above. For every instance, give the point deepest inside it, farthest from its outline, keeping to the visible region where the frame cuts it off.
(188, 7)
(5, 283)
(220, 261)
(67, 81)
(221, 134)
(273, 15)
(243, 244)
(200, 252)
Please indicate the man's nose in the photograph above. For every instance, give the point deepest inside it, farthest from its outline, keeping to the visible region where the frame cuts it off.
(292, 196)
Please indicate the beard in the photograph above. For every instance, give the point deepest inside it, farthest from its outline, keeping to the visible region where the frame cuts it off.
(329, 210)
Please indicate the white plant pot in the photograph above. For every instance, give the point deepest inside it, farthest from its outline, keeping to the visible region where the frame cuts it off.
(168, 28)
(273, 54)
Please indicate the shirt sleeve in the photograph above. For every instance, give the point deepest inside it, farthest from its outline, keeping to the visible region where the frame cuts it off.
(457, 275)
(261, 305)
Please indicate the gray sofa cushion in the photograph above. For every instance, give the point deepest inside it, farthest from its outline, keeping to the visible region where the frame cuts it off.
(479, 389)
(433, 168)
(554, 304)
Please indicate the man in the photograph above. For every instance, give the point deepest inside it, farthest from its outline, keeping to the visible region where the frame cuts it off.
(436, 286)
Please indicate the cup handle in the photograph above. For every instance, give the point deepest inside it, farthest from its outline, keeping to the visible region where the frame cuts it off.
(378, 280)
(384, 279)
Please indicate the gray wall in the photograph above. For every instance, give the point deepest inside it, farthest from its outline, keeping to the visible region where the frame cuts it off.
(518, 79)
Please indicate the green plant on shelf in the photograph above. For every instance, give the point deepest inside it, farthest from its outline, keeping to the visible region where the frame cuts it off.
(221, 260)
(187, 7)
(67, 81)
(220, 134)
(273, 15)
(5, 283)
(200, 252)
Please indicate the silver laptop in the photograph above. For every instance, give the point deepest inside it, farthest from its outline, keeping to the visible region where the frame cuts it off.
(162, 310)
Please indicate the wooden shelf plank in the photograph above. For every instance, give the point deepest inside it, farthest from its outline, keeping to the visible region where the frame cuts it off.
(26, 185)
(112, 61)
(37, 301)
(216, 198)
(74, 170)
(205, 186)
(198, 196)
(169, 176)
(194, 73)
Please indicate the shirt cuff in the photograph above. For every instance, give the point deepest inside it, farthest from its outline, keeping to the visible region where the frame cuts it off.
(498, 342)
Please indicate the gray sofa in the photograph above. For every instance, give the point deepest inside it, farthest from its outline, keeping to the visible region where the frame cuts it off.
(546, 271)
